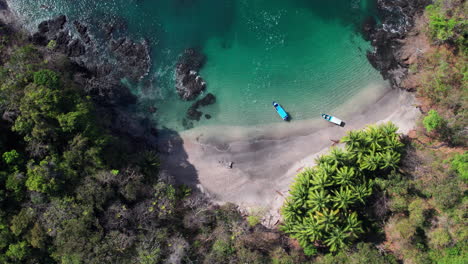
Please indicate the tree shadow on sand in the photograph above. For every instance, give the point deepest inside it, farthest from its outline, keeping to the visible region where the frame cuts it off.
(174, 159)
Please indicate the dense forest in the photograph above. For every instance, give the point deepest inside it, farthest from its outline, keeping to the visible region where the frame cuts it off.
(72, 191)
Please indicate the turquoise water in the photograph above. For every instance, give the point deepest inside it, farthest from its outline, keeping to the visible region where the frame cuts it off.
(307, 55)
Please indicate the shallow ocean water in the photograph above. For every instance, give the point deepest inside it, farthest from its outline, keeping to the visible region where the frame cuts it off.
(306, 55)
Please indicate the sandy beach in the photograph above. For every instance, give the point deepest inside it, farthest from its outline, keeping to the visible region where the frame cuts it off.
(266, 158)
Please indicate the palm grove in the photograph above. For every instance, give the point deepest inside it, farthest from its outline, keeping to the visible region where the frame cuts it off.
(327, 202)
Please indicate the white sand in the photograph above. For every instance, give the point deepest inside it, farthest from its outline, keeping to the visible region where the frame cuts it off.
(266, 158)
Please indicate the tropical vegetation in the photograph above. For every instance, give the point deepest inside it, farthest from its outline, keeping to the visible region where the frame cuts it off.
(326, 203)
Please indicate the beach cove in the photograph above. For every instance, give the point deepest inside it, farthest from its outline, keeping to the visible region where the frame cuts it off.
(311, 58)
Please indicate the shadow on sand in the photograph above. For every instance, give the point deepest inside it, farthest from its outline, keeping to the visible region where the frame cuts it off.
(174, 159)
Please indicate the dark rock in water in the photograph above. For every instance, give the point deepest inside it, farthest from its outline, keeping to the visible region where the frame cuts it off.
(133, 57)
(193, 113)
(396, 21)
(3, 5)
(187, 124)
(207, 116)
(75, 48)
(368, 26)
(83, 31)
(152, 109)
(188, 83)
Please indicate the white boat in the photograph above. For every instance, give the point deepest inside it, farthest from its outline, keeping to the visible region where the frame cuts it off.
(333, 120)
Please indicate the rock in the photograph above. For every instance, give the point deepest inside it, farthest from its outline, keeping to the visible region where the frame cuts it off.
(188, 83)
(10, 115)
(193, 113)
(207, 116)
(75, 48)
(152, 109)
(397, 18)
(3, 5)
(226, 163)
(83, 31)
(131, 56)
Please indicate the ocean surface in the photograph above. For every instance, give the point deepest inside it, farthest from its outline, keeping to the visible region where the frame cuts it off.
(307, 55)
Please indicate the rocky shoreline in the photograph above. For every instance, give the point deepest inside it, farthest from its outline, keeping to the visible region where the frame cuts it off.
(397, 19)
(97, 66)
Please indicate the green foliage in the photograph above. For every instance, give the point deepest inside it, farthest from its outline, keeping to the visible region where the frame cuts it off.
(444, 27)
(433, 121)
(47, 78)
(417, 209)
(52, 44)
(12, 157)
(21, 221)
(44, 177)
(439, 238)
(18, 251)
(460, 165)
(326, 201)
(363, 253)
(253, 220)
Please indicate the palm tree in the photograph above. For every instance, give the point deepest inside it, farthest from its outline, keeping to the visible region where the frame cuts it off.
(306, 232)
(304, 177)
(321, 180)
(374, 137)
(338, 157)
(370, 161)
(344, 176)
(291, 212)
(323, 159)
(389, 160)
(343, 198)
(354, 140)
(312, 229)
(327, 219)
(353, 225)
(328, 168)
(337, 239)
(392, 142)
(318, 199)
(362, 191)
(388, 129)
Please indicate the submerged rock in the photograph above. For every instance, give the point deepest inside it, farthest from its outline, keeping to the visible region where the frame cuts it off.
(188, 83)
(193, 113)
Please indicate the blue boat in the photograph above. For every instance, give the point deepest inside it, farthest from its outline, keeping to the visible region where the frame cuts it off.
(281, 111)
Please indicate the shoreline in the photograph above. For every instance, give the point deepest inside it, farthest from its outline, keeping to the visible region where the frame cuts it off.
(264, 165)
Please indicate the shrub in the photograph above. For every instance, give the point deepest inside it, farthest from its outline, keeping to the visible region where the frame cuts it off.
(460, 165)
(47, 78)
(446, 194)
(433, 121)
(253, 220)
(12, 157)
(439, 238)
(406, 229)
(18, 251)
(52, 44)
(417, 209)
